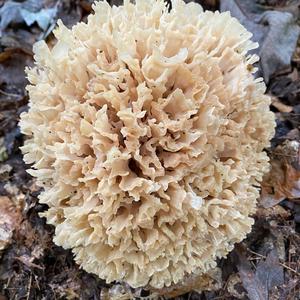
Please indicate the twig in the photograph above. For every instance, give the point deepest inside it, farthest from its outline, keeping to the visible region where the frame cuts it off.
(29, 287)
(282, 264)
(28, 263)
(9, 94)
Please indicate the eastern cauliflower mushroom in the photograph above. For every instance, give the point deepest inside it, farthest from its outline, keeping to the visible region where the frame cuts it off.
(146, 129)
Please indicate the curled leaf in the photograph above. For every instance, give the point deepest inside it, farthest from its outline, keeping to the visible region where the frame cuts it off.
(28, 11)
(10, 218)
(276, 32)
(283, 181)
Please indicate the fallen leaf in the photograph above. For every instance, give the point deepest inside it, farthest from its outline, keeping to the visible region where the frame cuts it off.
(29, 12)
(269, 273)
(276, 32)
(43, 18)
(251, 284)
(10, 218)
(9, 12)
(283, 180)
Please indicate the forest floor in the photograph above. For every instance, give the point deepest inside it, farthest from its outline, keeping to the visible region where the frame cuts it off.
(264, 266)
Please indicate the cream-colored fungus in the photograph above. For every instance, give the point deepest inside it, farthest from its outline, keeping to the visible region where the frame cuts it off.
(146, 129)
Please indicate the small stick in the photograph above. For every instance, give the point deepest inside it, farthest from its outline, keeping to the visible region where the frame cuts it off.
(29, 287)
(282, 264)
(9, 95)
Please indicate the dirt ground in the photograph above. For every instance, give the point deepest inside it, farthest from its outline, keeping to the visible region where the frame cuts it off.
(264, 266)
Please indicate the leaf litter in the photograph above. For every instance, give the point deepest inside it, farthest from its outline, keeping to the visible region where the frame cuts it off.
(29, 11)
(276, 32)
(265, 266)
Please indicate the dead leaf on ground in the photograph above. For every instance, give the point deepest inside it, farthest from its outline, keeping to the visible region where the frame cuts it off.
(283, 180)
(29, 12)
(251, 284)
(268, 274)
(10, 218)
(276, 32)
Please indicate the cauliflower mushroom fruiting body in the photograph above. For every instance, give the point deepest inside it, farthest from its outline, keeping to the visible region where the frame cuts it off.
(146, 130)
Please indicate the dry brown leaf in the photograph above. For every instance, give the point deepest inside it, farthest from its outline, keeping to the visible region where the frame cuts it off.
(29, 11)
(283, 181)
(10, 218)
(268, 273)
(276, 32)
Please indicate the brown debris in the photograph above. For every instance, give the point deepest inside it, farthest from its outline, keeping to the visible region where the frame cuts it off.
(10, 219)
(234, 286)
(208, 282)
(273, 212)
(283, 179)
(268, 274)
